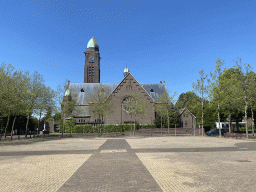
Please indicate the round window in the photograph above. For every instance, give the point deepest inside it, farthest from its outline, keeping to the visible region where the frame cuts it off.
(126, 104)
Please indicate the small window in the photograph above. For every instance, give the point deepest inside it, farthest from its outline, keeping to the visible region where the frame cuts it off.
(89, 74)
(79, 120)
(82, 90)
(151, 90)
(184, 115)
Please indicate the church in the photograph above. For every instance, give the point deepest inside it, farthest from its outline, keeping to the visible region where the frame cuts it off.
(119, 93)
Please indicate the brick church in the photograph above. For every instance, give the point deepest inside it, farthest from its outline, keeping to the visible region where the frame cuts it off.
(119, 92)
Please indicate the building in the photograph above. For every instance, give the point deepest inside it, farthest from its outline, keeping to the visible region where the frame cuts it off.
(187, 119)
(119, 92)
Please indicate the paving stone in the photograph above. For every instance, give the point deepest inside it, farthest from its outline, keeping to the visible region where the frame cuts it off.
(112, 172)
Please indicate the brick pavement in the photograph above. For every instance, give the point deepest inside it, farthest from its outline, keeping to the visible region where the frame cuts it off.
(130, 164)
(111, 171)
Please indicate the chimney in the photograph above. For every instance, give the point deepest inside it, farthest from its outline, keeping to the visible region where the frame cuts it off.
(161, 82)
(164, 81)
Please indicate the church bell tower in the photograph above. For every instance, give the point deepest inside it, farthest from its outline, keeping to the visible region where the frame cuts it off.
(92, 62)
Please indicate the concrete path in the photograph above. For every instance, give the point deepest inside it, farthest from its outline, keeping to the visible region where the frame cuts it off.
(129, 164)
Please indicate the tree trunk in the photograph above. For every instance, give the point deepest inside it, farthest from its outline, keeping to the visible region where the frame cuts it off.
(229, 123)
(252, 123)
(219, 119)
(202, 116)
(246, 105)
(6, 125)
(161, 125)
(168, 121)
(134, 127)
(39, 123)
(13, 125)
(27, 125)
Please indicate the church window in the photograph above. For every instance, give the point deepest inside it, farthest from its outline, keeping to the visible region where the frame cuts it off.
(126, 104)
(82, 90)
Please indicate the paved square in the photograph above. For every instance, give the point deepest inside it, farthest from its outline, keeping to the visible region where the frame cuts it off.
(183, 163)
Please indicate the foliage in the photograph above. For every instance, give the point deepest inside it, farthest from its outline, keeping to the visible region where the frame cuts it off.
(202, 89)
(99, 101)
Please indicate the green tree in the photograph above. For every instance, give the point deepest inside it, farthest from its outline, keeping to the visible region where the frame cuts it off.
(6, 94)
(252, 95)
(136, 106)
(216, 85)
(19, 89)
(244, 80)
(202, 88)
(45, 100)
(164, 106)
(100, 104)
(189, 100)
(231, 105)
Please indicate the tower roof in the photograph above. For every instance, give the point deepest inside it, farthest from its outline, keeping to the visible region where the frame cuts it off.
(67, 92)
(93, 43)
(126, 70)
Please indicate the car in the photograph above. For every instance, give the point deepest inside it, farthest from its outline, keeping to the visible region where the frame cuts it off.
(215, 132)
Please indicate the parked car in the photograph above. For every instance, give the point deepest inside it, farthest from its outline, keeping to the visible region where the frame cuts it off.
(215, 132)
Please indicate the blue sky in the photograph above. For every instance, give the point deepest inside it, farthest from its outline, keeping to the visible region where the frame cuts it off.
(157, 40)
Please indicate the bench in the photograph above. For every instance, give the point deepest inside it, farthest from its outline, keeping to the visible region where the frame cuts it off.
(233, 135)
(227, 135)
(238, 135)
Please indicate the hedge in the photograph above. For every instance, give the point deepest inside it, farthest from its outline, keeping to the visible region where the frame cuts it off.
(110, 128)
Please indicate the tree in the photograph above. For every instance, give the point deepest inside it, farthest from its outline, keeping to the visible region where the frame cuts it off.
(216, 85)
(229, 84)
(99, 102)
(201, 88)
(19, 89)
(189, 100)
(45, 100)
(32, 97)
(136, 106)
(252, 95)
(48, 113)
(6, 92)
(163, 107)
(244, 80)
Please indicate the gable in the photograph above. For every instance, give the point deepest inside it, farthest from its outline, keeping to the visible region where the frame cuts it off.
(181, 111)
(128, 86)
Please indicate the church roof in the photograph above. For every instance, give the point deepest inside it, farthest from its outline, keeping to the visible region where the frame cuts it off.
(93, 43)
(83, 89)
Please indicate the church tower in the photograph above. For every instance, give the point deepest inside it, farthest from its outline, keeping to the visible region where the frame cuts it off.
(92, 62)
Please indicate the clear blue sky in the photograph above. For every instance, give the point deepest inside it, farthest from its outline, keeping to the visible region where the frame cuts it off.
(157, 40)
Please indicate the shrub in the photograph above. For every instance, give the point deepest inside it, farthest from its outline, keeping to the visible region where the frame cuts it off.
(243, 129)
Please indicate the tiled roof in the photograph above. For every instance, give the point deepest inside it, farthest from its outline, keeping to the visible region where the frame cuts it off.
(153, 89)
